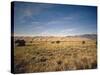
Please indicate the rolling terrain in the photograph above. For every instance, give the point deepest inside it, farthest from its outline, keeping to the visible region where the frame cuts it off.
(50, 53)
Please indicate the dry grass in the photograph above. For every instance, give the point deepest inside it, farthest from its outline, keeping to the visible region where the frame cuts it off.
(50, 56)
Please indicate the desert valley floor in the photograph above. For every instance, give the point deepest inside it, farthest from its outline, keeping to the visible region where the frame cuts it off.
(45, 54)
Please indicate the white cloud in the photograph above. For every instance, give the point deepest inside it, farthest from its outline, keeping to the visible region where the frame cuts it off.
(61, 20)
(64, 32)
(28, 12)
(70, 30)
(35, 10)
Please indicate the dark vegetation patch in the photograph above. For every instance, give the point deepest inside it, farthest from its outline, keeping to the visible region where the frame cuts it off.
(59, 62)
(52, 42)
(83, 42)
(20, 42)
(58, 42)
(43, 59)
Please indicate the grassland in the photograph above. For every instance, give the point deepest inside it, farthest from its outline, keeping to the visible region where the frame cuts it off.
(46, 56)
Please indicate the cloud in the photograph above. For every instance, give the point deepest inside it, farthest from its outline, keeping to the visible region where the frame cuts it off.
(35, 9)
(69, 30)
(53, 32)
(28, 12)
(61, 19)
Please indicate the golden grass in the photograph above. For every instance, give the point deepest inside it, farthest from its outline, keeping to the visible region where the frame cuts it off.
(48, 56)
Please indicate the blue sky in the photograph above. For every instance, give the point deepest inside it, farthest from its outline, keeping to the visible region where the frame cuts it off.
(36, 19)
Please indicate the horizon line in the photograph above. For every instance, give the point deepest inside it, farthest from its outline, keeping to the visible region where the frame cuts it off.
(52, 35)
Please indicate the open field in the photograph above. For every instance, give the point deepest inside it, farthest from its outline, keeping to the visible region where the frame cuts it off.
(55, 54)
(47, 37)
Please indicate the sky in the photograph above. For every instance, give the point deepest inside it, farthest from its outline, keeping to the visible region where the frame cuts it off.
(41, 19)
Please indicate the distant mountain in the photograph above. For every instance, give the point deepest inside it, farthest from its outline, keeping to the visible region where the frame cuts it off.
(90, 36)
(71, 38)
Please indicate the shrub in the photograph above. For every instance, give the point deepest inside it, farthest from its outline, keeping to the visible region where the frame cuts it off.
(20, 42)
(43, 59)
(83, 42)
(59, 62)
(30, 41)
(52, 42)
(57, 42)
